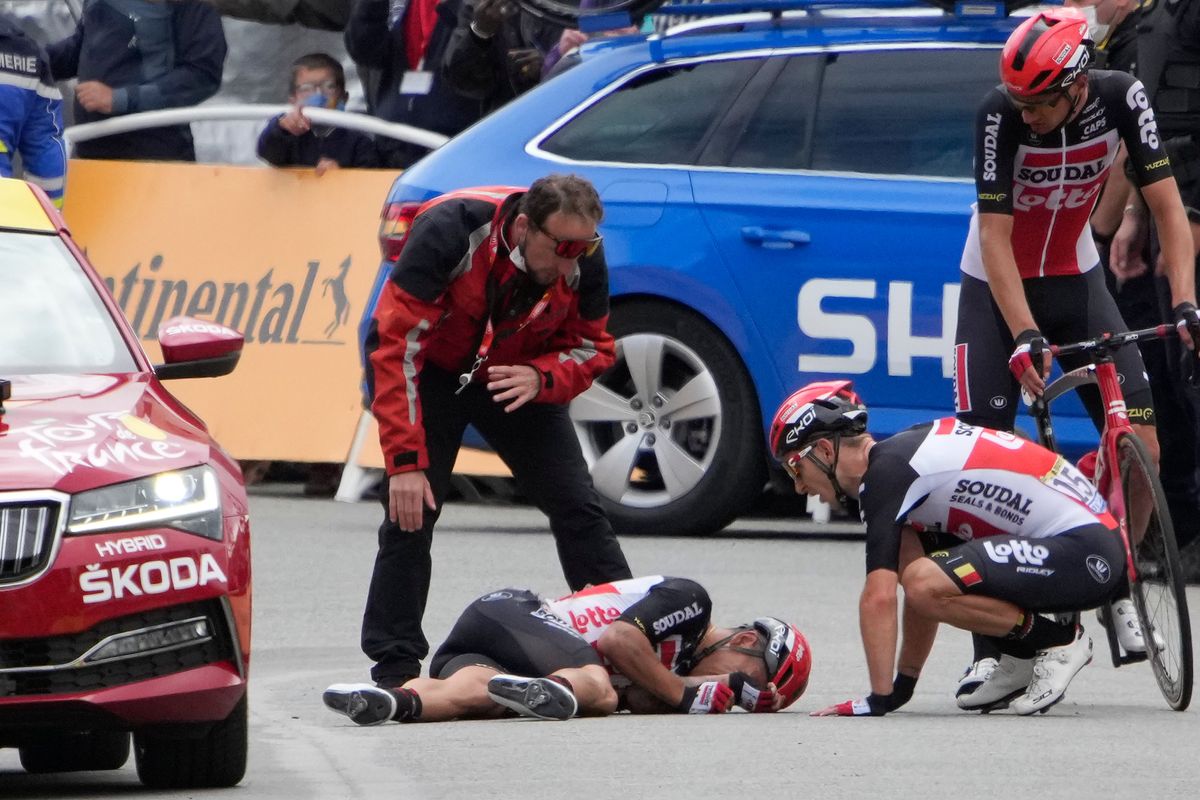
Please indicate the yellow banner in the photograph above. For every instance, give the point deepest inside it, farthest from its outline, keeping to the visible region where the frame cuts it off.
(284, 256)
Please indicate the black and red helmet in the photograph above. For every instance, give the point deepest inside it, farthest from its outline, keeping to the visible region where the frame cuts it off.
(825, 408)
(1046, 53)
(788, 657)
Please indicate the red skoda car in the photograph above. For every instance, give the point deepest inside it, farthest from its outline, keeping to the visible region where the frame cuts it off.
(124, 528)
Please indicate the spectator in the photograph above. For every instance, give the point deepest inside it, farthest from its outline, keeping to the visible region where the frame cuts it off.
(404, 43)
(1168, 63)
(497, 51)
(494, 316)
(30, 112)
(290, 140)
(141, 55)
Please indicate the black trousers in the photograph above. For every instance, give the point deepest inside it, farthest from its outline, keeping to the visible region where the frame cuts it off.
(537, 442)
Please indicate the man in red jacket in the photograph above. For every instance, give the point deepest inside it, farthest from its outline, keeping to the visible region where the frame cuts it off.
(494, 316)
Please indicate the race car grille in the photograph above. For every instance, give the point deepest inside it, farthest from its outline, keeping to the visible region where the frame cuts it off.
(53, 665)
(26, 538)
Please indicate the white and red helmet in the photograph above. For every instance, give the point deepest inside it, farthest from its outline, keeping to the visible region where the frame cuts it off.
(825, 408)
(1046, 53)
(788, 657)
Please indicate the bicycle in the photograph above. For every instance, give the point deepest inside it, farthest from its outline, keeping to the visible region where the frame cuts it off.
(1135, 498)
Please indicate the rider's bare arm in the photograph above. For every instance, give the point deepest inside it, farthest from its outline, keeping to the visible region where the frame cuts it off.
(1175, 236)
(995, 236)
(630, 653)
(877, 622)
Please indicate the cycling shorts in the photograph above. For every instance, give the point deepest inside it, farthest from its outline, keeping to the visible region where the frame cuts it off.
(508, 631)
(1066, 308)
(1082, 568)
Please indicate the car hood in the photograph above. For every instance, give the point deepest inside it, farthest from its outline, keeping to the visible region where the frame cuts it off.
(77, 432)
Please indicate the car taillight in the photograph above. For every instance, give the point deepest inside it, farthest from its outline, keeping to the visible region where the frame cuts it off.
(394, 223)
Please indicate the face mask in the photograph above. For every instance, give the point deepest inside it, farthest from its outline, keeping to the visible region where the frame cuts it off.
(1097, 31)
(318, 100)
(517, 257)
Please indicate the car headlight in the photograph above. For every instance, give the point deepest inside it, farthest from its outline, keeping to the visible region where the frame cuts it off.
(187, 499)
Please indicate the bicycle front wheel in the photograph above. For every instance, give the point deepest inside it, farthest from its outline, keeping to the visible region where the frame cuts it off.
(1158, 591)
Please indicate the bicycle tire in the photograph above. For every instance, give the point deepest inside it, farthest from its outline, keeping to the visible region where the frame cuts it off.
(1159, 591)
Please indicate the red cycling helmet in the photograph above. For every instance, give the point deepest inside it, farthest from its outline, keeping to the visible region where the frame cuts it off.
(1046, 53)
(825, 408)
(789, 660)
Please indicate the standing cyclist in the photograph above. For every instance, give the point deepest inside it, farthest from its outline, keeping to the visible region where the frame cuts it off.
(984, 530)
(1045, 140)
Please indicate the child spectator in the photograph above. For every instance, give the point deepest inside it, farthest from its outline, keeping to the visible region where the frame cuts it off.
(291, 140)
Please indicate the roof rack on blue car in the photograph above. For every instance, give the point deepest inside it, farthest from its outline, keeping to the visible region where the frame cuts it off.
(596, 15)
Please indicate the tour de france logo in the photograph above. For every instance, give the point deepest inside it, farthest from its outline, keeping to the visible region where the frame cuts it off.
(274, 307)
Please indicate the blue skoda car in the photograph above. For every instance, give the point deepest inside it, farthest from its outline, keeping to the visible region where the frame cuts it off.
(786, 199)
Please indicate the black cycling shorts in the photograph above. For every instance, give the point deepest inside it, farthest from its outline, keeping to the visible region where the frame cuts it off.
(508, 631)
(1080, 569)
(1067, 308)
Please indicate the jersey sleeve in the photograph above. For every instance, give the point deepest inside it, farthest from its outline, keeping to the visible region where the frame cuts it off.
(995, 154)
(674, 607)
(1139, 131)
(885, 487)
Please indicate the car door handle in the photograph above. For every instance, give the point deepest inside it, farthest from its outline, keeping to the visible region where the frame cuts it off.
(774, 239)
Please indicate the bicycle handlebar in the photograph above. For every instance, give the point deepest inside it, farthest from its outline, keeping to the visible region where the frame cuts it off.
(1107, 342)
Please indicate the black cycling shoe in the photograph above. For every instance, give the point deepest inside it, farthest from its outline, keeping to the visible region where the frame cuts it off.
(533, 697)
(363, 703)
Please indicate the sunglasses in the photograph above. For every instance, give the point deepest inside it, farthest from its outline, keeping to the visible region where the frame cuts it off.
(571, 248)
(791, 464)
(1021, 104)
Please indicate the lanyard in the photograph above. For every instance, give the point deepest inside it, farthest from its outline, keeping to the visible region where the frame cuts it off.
(489, 333)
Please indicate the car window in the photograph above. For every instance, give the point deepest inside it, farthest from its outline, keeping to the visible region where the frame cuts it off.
(51, 318)
(901, 112)
(778, 132)
(659, 117)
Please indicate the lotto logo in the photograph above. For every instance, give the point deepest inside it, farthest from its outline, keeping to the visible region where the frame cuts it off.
(1020, 550)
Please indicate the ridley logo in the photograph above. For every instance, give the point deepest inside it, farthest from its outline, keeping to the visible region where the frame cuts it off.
(1099, 569)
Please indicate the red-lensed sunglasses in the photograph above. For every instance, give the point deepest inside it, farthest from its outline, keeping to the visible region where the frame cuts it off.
(791, 464)
(571, 248)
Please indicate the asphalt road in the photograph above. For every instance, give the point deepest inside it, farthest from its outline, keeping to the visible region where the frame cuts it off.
(1112, 736)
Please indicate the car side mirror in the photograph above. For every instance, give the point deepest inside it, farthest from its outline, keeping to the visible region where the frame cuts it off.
(197, 348)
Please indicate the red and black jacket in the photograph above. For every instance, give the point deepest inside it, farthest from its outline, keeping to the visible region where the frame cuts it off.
(434, 310)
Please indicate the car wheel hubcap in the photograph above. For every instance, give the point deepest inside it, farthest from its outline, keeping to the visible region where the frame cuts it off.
(649, 427)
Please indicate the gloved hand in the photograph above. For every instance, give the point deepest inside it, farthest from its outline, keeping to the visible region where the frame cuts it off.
(749, 696)
(873, 705)
(1187, 319)
(1030, 352)
(710, 697)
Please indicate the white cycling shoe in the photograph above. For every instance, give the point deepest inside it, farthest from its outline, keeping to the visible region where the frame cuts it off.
(1053, 670)
(1005, 680)
(1129, 628)
(973, 678)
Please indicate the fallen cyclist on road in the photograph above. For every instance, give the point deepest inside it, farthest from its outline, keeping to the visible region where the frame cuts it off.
(984, 530)
(644, 645)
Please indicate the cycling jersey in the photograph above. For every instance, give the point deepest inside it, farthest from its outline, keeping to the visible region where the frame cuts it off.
(512, 630)
(1050, 184)
(948, 477)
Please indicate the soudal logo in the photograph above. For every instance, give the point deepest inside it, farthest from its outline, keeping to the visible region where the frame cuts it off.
(997, 494)
(1020, 550)
(664, 624)
(991, 135)
(149, 577)
(271, 309)
(1074, 173)
(594, 617)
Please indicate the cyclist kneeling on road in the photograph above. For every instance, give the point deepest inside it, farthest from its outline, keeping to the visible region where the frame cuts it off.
(984, 530)
(644, 645)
